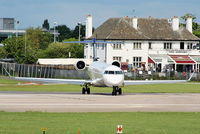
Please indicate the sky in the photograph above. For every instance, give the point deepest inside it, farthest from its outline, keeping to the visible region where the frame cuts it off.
(32, 13)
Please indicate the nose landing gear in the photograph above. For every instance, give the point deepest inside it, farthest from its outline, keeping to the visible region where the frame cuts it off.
(116, 90)
(86, 89)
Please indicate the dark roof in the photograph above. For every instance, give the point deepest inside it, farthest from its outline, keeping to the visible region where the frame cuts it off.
(148, 29)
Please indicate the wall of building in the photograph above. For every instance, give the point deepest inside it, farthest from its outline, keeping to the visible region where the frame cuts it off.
(7, 24)
(158, 48)
(127, 52)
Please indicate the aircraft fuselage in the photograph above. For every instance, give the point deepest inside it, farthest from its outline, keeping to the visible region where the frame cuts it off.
(103, 74)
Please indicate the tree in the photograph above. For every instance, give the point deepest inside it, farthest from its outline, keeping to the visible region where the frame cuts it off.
(45, 25)
(2, 52)
(64, 32)
(62, 50)
(195, 25)
(15, 48)
(25, 49)
(75, 32)
(188, 15)
(38, 39)
(197, 33)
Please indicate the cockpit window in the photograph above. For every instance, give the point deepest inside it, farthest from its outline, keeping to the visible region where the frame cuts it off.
(113, 72)
(106, 72)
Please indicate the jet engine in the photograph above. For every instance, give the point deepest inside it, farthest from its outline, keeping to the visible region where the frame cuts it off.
(80, 65)
(116, 63)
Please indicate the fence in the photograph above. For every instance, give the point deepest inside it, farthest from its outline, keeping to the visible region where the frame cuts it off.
(40, 71)
(44, 71)
(163, 76)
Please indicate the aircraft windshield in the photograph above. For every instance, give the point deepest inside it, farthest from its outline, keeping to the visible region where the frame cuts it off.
(113, 72)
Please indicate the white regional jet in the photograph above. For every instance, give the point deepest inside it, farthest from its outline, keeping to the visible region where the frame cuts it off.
(103, 75)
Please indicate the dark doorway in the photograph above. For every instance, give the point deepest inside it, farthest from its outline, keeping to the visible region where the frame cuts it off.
(182, 45)
(159, 66)
(184, 68)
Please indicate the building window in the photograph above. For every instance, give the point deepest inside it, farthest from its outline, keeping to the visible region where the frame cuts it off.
(137, 61)
(167, 45)
(189, 46)
(182, 45)
(137, 45)
(150, 45)
(117, 46)
(118, 58)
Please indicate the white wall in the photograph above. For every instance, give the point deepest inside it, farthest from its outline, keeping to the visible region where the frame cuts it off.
(127, 52)
(158, 48)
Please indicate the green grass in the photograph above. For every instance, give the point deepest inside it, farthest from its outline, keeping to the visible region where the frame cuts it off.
(99, 123)
(11, 85)
(8, 81)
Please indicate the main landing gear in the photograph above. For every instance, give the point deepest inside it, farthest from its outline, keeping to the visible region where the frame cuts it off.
(86, 89)
(116, 90)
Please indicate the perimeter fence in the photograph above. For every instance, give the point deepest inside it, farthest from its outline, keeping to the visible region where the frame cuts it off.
(40, 71)
(68, 72)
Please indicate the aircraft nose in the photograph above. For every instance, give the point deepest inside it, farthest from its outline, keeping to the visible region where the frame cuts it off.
(113, 80)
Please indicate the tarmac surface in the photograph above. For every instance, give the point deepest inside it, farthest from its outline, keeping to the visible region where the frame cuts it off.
(76, 102)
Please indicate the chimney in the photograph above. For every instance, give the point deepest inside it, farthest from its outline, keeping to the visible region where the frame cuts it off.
(175, 23)
(135, 22)
(189, 24)
(88, 31)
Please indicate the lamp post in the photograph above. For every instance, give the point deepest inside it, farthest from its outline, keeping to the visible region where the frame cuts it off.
(55, 23)
(79, 32)
(17, 22)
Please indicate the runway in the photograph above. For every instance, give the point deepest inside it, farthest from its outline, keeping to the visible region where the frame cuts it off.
(75, 102)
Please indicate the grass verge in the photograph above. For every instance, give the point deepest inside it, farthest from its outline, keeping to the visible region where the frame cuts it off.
(11, 85)
(99, 123)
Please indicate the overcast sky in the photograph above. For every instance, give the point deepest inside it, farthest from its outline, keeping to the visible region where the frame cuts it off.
(31, 13)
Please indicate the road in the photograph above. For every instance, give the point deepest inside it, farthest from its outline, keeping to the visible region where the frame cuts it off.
(74, 102)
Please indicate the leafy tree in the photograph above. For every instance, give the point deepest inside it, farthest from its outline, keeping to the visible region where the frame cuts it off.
(38, 39)
(2, 53)
(25, 49)
(45, 25)
(64, 32)
(15, 48)
(195, 25)
(62, 50)
(197, 33)
(184, 17)
(75, 32)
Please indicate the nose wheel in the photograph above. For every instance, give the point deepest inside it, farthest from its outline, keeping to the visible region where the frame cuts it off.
(85, 89)
(116, 90)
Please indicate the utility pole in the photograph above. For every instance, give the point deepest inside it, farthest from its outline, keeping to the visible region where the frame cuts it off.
(79, 32)
(55, 23)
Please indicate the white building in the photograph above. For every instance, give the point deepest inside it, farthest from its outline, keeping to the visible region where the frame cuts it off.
(146, 43)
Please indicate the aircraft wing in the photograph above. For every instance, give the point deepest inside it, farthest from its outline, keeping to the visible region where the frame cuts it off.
(80, 82)
(141, 82)
(56, 81)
